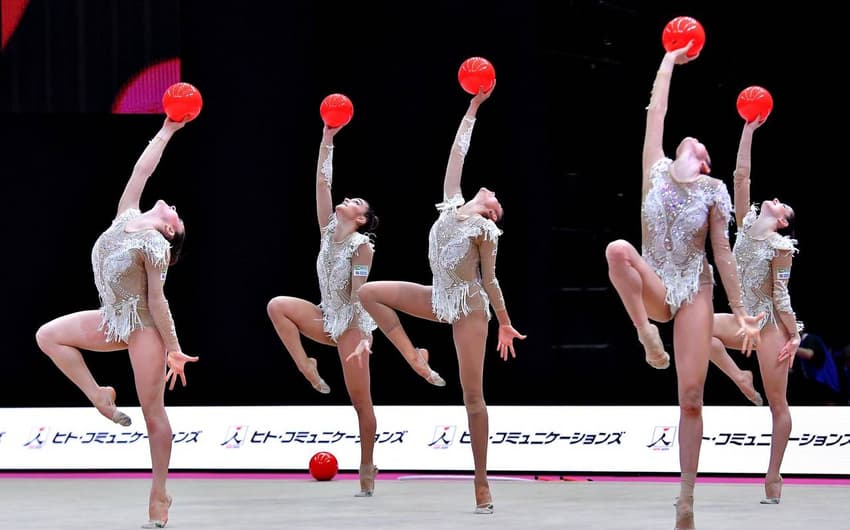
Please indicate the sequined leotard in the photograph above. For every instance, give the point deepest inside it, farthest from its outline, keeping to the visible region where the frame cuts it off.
(462, 252)
(764, 289)
(334, 269)
(676, 220)
(118, 260)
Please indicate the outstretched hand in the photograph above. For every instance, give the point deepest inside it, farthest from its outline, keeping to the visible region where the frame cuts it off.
(176, 364)
(789, 350)
(507, 334)
(750, 331)
(172, 126)
(756, 123)
(680, 55)
(330, 132)
(363, 347)
(481, 96)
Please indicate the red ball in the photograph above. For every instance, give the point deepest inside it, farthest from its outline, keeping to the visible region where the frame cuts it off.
(754, 102)
(323, 466)
(476, 73)
(182, 102)
(336, 110)
(680, 31)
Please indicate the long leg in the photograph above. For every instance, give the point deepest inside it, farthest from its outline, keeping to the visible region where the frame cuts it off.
(293, 317)
(725, 327)
(775, 377)
(357, 382)
(62, 339)
(147, 356)
(692, 330)
(470, 338)
(382, 299)
(643, 295)
(641, 290)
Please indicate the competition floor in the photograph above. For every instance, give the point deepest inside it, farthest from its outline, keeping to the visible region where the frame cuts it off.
(295, 501)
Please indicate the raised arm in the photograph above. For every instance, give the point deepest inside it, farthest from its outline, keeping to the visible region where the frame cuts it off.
(161, 314)
(324, 175)
(488, 249)
(653, 141)
(781, 273)
(454, 168)
(146, 164)
(742, 171)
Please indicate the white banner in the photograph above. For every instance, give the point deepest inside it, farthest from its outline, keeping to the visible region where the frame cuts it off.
(555, 439)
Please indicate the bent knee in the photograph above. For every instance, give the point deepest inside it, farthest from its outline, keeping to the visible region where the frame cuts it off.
(619, 251)
(278, 306)
(45, 337)
(366, 293)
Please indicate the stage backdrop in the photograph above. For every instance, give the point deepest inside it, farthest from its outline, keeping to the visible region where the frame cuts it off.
(559, 141)
(526, 439)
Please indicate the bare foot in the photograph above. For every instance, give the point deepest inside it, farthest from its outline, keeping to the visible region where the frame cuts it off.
(105, 404)
(158, 511)
(367, 480)
(422, 368)
(483, 498)
(312, 375)
(685, 513)
(772, 490)
(745, 385)
(656, 357)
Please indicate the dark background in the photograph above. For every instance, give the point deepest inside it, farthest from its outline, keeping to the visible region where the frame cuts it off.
(560, 141)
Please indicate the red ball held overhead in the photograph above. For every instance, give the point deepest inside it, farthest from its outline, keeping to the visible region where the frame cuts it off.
(476, 73)
(182, 102)
(682, 30)
(336, 110)
(754, 102)
(323, 466)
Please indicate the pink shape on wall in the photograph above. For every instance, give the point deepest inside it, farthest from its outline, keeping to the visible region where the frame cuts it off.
(143, 93)
(11, 12)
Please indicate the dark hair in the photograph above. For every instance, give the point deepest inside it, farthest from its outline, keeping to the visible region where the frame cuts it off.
(501, 220)
(371, 221)
(788, 230)
(177, 241)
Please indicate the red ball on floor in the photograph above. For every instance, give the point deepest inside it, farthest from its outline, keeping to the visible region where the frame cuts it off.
(323, 466)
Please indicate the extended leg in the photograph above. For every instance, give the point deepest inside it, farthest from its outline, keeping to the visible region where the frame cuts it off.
(293, 317)
(643, 295)
(724, 329)
(692, 344)
(63, 338)
(470, 337)
(382, 299)
(775, 377)
(147, 355)
(357, 382)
